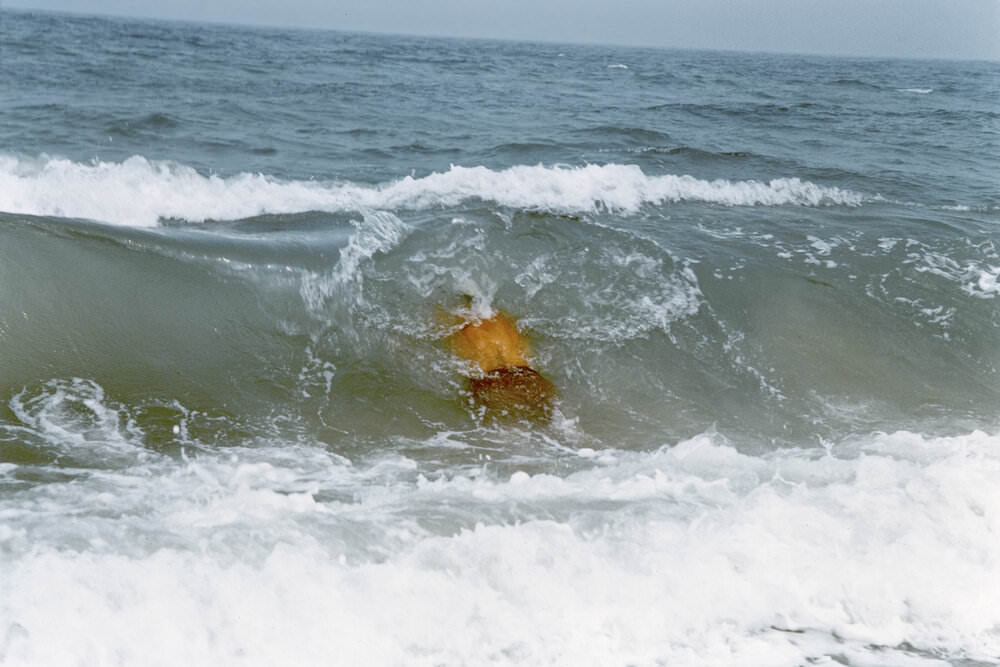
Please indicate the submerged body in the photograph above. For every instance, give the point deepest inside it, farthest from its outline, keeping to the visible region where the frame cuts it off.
(507, 386)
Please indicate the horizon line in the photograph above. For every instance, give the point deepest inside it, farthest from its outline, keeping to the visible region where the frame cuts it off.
(236, 23)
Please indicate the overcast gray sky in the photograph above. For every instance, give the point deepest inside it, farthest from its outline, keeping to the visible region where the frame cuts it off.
(905, 28)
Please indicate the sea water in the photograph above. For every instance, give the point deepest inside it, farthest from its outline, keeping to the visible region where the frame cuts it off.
(767, 288)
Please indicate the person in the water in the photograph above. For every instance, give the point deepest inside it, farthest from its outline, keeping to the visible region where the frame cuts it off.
(504, 385)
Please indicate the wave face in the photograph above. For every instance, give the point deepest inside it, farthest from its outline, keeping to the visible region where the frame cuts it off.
(766, 288)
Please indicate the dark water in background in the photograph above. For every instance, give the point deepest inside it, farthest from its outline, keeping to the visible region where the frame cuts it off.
(222, 252)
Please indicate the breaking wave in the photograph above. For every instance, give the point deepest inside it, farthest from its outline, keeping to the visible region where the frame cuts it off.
(140, 192)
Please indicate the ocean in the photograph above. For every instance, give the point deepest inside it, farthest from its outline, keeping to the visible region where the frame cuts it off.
(766, 288)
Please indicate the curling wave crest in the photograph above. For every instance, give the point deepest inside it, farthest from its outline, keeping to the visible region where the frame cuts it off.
(141, 192)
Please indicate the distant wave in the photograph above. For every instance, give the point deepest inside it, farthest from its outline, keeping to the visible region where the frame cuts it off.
(856, 83)
(918, 91)
(141, 192)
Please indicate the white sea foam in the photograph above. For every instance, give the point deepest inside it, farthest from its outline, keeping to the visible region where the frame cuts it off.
(140, 192)
(977, 278)
(988, 283)
(916, 91)
(881, 550)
